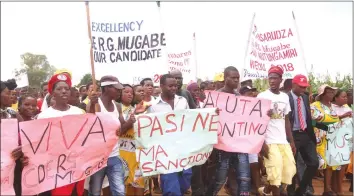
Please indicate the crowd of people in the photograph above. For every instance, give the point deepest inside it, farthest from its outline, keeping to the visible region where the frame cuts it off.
(292, 155)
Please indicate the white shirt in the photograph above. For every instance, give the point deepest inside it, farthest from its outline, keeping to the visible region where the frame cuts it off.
(52, 113)
(340, 110)
(180, 103)
(276, 133)
(115, 115)
(151, 100)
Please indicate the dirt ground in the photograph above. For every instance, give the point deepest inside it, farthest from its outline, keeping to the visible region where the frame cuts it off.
(317, 183)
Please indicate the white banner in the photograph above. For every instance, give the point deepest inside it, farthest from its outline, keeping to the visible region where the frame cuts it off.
(173, 141)
(273, 42)
(181, 55)
(339, 142)
(127, 40)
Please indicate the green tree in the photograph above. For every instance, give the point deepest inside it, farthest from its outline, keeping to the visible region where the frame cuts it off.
(341, 82)
(261, 84)
(36, 67)
(85, 79)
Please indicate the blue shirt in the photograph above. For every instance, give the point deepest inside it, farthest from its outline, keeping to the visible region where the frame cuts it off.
(296, 125)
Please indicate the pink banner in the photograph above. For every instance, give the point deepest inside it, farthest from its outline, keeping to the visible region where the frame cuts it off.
(9, 141)
(65, 150)
(243, 121)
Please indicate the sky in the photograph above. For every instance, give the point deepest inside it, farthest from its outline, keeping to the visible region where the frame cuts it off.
(59, 30)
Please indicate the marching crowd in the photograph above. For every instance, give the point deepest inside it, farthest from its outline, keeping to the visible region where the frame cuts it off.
(292, 155)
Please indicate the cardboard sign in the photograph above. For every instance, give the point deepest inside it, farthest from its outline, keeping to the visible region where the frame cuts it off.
(243, 121)
(339, 141)
(128, 42)
(65, 150)
(9, 142)
(173, 141)
(182, 56)
(273, 44)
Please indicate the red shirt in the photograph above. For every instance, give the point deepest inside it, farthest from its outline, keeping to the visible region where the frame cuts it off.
(39, 103)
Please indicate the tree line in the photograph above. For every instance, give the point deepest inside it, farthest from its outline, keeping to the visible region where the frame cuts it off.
(39, 70)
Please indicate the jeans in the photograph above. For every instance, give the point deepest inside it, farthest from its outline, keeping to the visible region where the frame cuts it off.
(305, 150)
(115, 175)
(240, 163)
(177, 183)
(231, 183)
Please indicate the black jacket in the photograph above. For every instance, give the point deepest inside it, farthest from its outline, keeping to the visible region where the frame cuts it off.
(310, 130)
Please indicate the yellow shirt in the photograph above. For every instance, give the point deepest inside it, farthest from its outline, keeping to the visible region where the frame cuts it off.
(15, 106)
(86, 101)
(127, 147)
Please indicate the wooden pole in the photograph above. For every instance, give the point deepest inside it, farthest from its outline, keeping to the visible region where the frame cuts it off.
(91, 52)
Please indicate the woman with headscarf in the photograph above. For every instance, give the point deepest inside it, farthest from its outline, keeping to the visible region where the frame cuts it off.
(194, 89)
(17, 154)
(45, 104)
(323, 112)
(59, 87)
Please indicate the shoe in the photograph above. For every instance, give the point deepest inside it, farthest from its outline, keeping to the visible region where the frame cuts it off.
(261, 192)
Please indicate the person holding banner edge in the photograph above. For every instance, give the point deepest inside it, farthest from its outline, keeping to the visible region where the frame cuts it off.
(197, 184)
(340, 106)
(111, 90)
(239, 161)
(18, 156)
(59, 87)
(174, 183)
(127, 144)
(323, 112)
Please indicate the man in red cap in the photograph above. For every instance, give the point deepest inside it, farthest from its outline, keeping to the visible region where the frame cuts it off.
(303, 133)
(279, 144)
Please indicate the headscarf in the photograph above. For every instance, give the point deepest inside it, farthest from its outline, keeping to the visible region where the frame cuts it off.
(63, 77)
(60, 71)
(192, 86)
(53, 80)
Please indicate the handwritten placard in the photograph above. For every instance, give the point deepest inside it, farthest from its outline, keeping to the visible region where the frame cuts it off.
(9, 141)
(273, 44)
(173, 141)
(65, 150)
(339, 137)
(243, 121)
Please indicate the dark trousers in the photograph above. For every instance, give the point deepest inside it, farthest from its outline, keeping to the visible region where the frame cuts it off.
(18, 178)
(307, 149)
(197, 183)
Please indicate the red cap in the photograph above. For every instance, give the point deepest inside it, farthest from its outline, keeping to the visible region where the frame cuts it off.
(62, 77)
(301, 80)
(276, 69)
